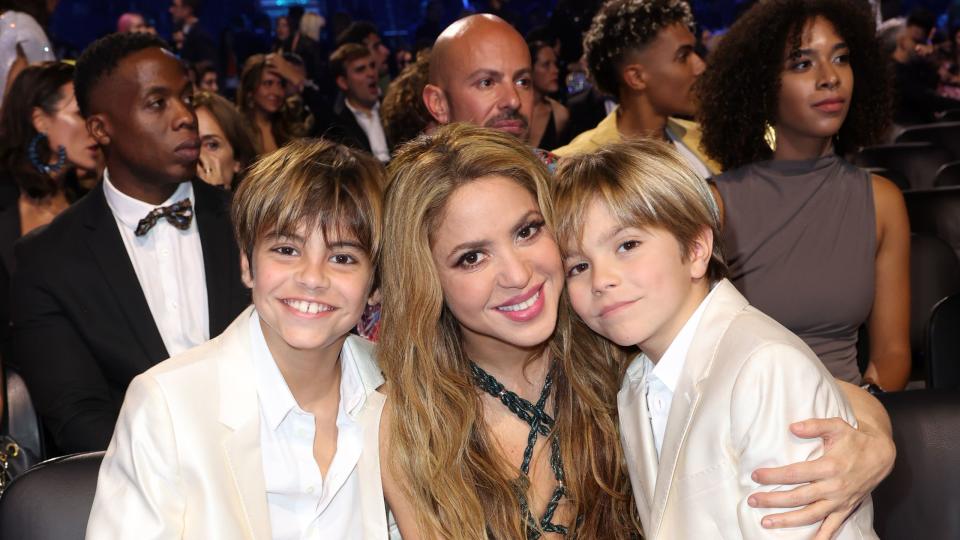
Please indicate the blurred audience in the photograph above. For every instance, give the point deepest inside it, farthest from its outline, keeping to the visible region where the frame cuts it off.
(261, 97)
(549, 120)
(205, 77)
(226, 143)
(403, 112)
(22, 37)
(366, 34)
(132, 22)
(916, 71)
(198, 45)
(43, 139)
(356, 114)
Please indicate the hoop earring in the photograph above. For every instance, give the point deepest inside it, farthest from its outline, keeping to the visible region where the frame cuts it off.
(34, 156)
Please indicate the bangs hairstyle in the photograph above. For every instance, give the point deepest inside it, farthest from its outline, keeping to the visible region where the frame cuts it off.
(642, 183)
(739, 92)
(312, 183)
(454, 473)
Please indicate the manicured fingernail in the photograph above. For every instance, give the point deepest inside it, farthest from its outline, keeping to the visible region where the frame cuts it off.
(752, 501)
(767, 522)
(755, 477)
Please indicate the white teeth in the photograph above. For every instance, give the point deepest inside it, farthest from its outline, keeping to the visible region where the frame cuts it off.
(522, 305)
(307, 307)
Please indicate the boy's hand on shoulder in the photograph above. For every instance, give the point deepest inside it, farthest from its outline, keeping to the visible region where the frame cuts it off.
(854, 462)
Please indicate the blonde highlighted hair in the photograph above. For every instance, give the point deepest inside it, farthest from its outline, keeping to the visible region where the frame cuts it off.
(312, 183)
(458, 481)
(642, 183)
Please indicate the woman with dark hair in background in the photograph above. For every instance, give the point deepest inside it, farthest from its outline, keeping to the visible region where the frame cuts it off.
(817, 243)
(261, 97)
(22, 38)
(226, 143)
(43, 139)
(548, 122)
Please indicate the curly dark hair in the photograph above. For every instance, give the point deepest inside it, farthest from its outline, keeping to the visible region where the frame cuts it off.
(403, 112)
(622, 26)
(102, 57)
(740, 89)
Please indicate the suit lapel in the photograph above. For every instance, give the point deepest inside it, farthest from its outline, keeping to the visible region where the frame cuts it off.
(219, 260)
(639, 445)
(111, 255)
(717, 315)
(240, 415)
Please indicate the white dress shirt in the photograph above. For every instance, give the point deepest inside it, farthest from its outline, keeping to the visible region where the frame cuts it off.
(662, 377)
(303, 504)
(169, 266)
(372, 125)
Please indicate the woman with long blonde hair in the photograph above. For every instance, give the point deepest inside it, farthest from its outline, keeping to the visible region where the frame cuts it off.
(498, 423)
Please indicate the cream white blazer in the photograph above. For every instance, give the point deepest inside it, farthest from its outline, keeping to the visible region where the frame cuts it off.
(745, 379)
(185, 461)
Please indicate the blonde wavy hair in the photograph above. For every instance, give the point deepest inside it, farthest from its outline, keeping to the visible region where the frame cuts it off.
(440, 450)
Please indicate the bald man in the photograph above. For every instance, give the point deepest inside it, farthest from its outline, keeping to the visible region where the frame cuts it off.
(480, 72)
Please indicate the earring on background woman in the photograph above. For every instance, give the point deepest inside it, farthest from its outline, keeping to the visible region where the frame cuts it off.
(34, 156)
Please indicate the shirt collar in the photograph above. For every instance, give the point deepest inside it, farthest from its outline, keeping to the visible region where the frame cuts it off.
(670, 366)
(130, 211)
(374, 111)
(276, 400)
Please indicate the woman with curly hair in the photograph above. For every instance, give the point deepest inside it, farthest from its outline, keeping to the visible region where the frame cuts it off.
(812, 240)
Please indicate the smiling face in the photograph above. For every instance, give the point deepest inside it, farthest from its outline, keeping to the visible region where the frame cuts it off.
(816, 85)
(632, 285)
(65, 127)
(499, 268)
(270, 93)
(142, 114)
(309, 293)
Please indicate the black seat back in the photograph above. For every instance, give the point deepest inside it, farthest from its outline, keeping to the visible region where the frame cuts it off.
(51, 501)
(936, 212)
(943, 134)
(934, 275)
(918, 161)
(921, 497)
(943, 345)
(948, 175)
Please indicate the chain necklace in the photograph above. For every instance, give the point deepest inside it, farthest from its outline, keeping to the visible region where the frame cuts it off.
(540, 423)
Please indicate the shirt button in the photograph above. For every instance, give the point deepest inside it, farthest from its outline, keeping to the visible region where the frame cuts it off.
(310, 490)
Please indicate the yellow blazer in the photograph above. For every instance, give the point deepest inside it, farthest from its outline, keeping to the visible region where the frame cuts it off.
(745, 379)
(606, 133)
(185, 460)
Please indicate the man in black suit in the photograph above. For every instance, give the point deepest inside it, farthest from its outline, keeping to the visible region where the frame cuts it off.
(142, 268)
(198, 45)
(356, 112)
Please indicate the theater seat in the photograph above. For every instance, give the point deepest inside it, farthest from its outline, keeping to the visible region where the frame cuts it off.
(934, 275)
(921, 497)
(936, 212)
(51, 501)
(918, 161)
(943, 345)
(948, 175)
(943, 134)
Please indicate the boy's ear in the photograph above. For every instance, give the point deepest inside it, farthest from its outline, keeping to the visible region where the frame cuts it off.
(700, 252)
(246, 273)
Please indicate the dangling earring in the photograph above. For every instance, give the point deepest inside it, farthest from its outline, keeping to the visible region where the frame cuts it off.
(34, 156)
(770, 136)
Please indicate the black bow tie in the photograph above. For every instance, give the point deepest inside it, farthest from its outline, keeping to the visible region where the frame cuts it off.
(178, 214)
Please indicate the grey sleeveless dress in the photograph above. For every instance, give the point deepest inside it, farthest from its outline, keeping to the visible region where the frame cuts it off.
(800, 239)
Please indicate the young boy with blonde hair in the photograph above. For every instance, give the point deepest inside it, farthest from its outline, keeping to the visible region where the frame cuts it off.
(270, 429)
(718, 383)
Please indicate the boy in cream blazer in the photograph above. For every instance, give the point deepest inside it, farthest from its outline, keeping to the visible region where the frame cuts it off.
(268, 431)
(718, 383)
